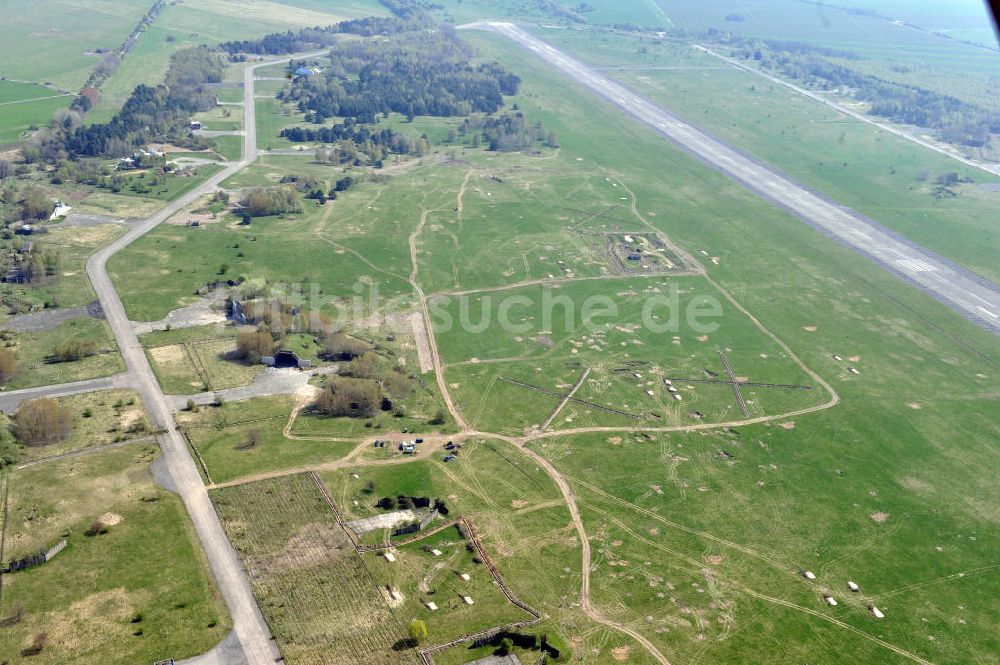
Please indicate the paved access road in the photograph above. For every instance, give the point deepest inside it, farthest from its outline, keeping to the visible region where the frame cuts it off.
(967, 293)
(248, 622)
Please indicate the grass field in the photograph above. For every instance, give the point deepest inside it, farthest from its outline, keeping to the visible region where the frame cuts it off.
(99, 419)
(34, 350)
(221, 436)
(23, 105)
(327, 246)
(146, 63)
(52, 41)
(869, 36)
(420, 577)
(71, 286)
(194, 360)
(315, 591)
(878, 174)
(846, 492)
(628, 361)
(522, 523)
(138, 593)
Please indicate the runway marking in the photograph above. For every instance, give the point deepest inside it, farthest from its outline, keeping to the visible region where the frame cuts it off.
(987, 311)
(916, 265)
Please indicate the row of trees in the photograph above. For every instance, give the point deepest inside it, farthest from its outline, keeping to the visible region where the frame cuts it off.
(421, 73)
(153, 112)
(954, 120)
(408, 16)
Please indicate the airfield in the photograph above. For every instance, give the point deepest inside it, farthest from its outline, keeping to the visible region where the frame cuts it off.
(806, 478)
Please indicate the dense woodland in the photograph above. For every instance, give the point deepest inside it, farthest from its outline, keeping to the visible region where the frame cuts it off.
(955, 121)
(418, 73)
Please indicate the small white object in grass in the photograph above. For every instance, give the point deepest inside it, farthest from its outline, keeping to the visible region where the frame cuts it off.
(431, 605)
(808, 574)
(465, 576)
(355, 476)
(877, 613)
(389, 556)
(436, 552)
(650, 393)
(467, 599)
(396, 595)
(677, 397)
(830, 600)
(852, 586)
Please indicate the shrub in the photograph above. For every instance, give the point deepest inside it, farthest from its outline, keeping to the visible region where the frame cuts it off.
(417, 631)
(74, 350)
(252, 346)
(8, 365)
(42, 422)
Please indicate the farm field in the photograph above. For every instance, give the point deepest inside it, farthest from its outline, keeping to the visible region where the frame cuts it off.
(316, 592)
(139, 592)
(880, 175)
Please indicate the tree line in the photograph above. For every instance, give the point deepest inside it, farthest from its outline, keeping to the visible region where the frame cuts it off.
(407, 17)
(954, 120)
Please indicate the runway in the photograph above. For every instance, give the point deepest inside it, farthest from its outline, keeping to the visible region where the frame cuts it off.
(967, 293)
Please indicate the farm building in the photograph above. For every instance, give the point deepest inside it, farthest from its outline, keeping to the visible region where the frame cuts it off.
(196, 125)
(305, 71)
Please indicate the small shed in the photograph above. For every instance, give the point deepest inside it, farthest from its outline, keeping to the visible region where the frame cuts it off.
(304, 71)
(431, 605)
(808, 574)
(853, 587)
(467, 600)
(876, 612)
(389, 556)
(830, 600)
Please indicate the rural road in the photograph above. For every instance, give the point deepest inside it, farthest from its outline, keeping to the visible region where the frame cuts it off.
(10, 400)
(248, 622)
(960, 289)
